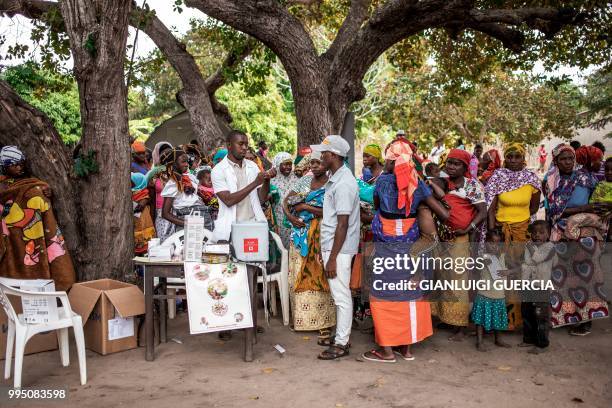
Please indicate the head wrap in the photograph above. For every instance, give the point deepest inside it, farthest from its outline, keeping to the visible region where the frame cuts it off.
(493, 165)
(139, 180)
(156, 152)
(374, 150)
(138, 147)
(515, 148)
(280, 158)
(588, 154)
(405, 173)
(553, 176)
(464, 157)
(10, 155)
(183, 182)
(562, 147)
(304, 164)
(219, 155)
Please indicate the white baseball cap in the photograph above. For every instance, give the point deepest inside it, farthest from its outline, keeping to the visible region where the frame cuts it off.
(401, 132)
(333, 143)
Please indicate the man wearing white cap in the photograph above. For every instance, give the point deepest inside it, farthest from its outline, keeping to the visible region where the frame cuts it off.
(339, 237)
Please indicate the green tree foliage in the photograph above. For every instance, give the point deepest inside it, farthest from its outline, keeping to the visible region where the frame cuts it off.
(598, 100)
(264, 116)
(52, 92)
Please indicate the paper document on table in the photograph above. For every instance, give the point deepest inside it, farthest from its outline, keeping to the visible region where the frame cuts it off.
(119, 328)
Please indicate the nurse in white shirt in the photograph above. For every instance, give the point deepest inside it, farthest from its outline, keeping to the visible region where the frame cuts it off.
(239, 186)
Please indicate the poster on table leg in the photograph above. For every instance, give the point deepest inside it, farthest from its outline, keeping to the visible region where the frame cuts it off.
(218, 297)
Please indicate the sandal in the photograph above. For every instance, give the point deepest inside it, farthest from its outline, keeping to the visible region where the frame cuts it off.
(377, 357)
(403, 356)
(326, 341)
(334, 351)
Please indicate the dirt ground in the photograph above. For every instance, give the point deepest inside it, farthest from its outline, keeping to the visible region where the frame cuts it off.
(205, 372)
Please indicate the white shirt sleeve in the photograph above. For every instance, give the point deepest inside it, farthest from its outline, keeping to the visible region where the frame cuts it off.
(170, 189)
(219, 182)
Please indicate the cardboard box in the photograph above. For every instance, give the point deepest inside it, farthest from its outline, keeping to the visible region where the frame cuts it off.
(37, 344)
(108, 308)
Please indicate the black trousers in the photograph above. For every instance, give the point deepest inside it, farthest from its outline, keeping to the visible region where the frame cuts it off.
(536, 323)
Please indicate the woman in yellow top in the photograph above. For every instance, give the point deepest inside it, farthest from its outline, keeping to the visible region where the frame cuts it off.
(513, 196)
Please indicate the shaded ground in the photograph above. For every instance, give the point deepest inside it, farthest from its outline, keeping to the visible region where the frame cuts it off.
(205, 372)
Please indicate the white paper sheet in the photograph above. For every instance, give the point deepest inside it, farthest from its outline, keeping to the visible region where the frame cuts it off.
(119, 328)
(218, 297)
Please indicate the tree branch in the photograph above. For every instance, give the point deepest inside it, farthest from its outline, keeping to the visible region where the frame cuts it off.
(232, 60)
(193, 97)
(357, 15)
(34, 9)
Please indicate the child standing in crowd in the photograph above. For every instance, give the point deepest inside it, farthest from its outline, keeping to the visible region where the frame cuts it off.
(539, 259)
(489, 311)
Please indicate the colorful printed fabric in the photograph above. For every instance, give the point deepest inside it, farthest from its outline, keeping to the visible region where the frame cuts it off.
(310, 310)
(311, 276)
(557, 199)
(491, 314)
(31, 243)
(578, 296)
(504, 180)
(144, 228)
(300, 236)
(283, 184)
(280, 158)
(553, 177)
(462, 202)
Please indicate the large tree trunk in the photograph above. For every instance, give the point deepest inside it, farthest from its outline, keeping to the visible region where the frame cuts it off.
(48, 158)
(98, 33)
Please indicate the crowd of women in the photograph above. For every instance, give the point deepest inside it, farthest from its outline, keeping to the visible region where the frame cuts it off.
(455, 204)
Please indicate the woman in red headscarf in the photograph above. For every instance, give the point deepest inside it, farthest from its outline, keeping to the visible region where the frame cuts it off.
(401, 317)
(490, 162)
(467, 208)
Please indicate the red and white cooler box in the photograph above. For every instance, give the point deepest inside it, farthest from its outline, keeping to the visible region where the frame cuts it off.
(251, 241)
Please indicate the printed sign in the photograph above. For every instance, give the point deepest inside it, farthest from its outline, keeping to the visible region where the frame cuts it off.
(218, 297)
(251, 245)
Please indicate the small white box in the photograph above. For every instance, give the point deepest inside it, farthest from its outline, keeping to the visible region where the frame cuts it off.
(161, 253)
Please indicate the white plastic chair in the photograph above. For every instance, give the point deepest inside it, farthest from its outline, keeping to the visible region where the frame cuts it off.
(178, 239)
(282, 280)
(19, 332)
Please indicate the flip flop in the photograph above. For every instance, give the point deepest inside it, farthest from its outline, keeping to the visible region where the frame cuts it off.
(378, 358)
(403, 357)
